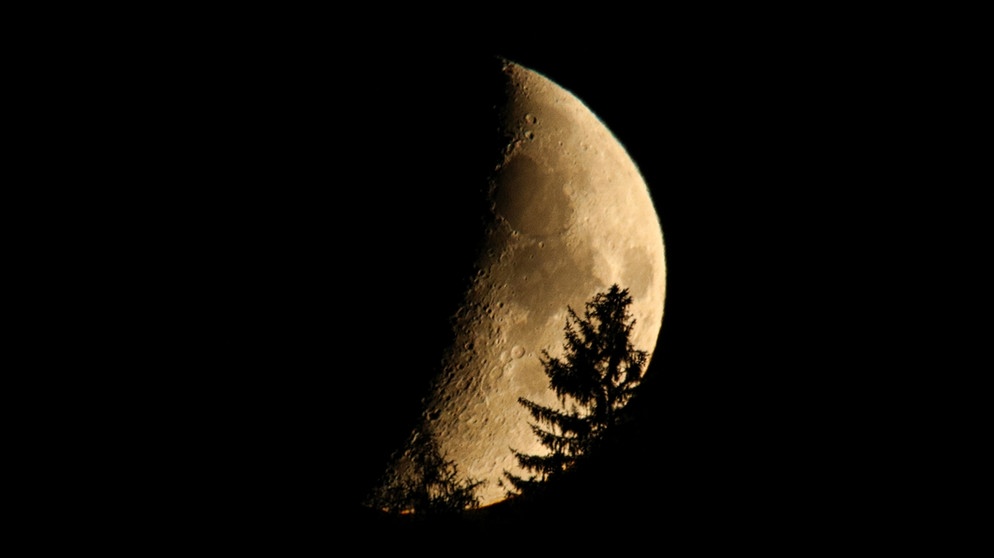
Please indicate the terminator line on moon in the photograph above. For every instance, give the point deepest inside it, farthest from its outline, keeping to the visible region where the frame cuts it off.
(571, 215)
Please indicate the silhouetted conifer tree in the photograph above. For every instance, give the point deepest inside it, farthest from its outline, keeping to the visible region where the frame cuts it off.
(594, 380)
(427, 484)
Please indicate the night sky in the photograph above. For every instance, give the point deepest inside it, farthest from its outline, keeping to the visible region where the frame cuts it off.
(304, 258)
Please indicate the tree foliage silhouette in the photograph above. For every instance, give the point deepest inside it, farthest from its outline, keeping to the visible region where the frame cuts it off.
(429, 484)
(593, 380)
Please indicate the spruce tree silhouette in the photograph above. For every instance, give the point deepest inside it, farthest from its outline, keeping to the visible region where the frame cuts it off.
(594, 380)
(428, 484)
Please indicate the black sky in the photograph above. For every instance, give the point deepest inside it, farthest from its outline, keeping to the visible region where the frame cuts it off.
(244, 312)
(283, 177)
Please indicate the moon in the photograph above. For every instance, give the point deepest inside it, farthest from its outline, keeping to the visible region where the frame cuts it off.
(569, 215)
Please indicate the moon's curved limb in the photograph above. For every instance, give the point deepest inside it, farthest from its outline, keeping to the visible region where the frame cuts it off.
(570, 215)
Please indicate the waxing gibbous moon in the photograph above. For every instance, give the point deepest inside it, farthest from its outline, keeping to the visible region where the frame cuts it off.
(570, 216)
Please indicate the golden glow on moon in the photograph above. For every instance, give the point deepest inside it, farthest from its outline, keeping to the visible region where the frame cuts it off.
(572, 215)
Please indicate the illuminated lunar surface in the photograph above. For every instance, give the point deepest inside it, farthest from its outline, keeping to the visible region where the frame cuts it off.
(571, 216)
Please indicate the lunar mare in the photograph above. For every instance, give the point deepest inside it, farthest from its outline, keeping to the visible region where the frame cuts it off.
(571, 215)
